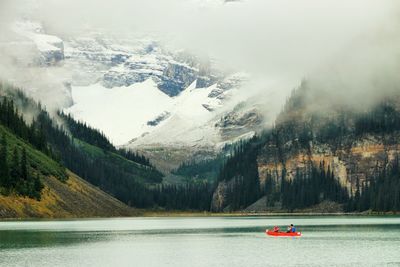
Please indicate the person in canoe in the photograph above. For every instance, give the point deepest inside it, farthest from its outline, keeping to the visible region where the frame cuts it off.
(291, 229)
(276, 229)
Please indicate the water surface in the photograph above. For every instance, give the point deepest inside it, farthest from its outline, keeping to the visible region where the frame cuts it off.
(216, 241)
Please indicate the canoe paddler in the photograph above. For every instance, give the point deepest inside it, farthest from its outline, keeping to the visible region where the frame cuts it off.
(291, 229)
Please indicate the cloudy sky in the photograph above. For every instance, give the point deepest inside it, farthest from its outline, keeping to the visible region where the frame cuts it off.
(277, 41)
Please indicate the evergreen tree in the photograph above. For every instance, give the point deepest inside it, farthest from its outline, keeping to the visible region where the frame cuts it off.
(24, 165)
(4, 169)
(37, 187)
(15, 171)
(357, 195)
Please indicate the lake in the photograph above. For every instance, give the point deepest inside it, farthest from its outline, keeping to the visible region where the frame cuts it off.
(203, 241)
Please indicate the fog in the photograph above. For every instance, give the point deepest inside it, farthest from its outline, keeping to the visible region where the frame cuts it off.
(276, 38)
(338, 43)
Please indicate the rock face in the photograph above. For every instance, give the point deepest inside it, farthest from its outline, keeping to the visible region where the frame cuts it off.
(364, 158)
(177, 77)
(51, 49)
(219, 197)
(168, 158)
(116, 63)
(163, 116)
(239, 122)
(360, 160)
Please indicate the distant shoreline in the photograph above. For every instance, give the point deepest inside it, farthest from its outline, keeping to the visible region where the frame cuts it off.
(181, 214)
(260, 214)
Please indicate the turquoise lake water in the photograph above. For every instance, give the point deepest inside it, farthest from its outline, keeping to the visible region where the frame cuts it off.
(216, 241)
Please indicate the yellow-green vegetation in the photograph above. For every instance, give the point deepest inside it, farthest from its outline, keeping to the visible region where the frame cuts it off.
(74, 198)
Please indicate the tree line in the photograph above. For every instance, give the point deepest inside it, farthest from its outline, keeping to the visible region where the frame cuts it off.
(378, 193)
(86, 133)
(90, 135)
(241, 171)
(135, 157)
(207, 169)
(190, 196)
(12, 119)
(311, 187)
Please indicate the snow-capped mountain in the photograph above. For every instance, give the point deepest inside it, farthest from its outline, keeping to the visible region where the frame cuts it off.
(141, 94)
(115, 63)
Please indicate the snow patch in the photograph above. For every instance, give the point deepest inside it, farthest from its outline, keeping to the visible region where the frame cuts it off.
(123, 113)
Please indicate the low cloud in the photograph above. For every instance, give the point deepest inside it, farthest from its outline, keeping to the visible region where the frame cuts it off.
(339, 43)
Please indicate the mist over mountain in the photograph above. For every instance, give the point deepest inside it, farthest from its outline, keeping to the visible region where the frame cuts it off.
(187, 78)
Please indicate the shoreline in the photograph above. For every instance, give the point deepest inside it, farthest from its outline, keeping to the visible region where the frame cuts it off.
(261, 214)
(188, 214)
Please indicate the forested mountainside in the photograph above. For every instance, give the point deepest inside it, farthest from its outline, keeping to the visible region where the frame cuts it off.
(206, 168)
(318, 152)
(68, 144)
(315, 154)
(34, 184)
(93, 137)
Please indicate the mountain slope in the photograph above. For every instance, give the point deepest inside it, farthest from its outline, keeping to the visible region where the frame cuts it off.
(319, 151)
(122, 112)
(104, 166)
(64, 194)
(71, 199)
(141, 114)
(126, 175)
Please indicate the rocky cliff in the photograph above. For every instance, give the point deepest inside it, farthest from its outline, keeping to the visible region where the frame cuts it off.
(355, 146)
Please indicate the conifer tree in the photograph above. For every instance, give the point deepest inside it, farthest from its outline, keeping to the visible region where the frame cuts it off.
(24, 165)
(4, 169)
(15, 171)
(37, 187)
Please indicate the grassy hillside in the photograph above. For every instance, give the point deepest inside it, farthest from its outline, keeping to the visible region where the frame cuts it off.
(74, 198)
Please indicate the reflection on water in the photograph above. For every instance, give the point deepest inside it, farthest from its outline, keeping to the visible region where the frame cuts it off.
(326, 241)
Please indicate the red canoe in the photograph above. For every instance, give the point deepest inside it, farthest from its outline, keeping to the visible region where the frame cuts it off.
(272, 233)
